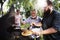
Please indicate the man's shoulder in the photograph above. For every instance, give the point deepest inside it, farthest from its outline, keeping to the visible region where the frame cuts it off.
(56, 12)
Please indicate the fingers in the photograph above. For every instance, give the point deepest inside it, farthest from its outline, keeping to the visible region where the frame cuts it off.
(36, 24)
(36, 33)
(33, 23)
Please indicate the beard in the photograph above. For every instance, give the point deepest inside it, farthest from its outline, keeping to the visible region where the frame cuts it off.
(46, 13)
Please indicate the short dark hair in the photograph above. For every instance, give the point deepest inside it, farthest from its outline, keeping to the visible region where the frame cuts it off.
(17, 10)
(33, 10)
(49, 3)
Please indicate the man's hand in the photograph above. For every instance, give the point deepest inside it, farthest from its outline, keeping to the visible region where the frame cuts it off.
(33, 23)
(37, 33)
(47, 31)
(23, 22)
(36, 24)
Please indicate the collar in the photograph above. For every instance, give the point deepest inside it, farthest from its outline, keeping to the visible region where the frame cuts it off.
(34, 18)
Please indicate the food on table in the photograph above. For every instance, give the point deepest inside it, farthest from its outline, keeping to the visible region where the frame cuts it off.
(27, 33)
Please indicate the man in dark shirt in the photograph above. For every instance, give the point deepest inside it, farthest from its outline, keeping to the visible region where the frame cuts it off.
(50, 23)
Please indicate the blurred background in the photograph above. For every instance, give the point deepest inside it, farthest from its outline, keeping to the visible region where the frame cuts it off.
(25, 6)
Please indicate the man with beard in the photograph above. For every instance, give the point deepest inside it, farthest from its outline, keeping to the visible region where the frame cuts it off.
(50, 23)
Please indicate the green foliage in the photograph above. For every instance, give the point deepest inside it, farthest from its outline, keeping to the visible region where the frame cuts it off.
(40, 13)
(29, 4)
(0, 12)
(56, 5)
(25, 26)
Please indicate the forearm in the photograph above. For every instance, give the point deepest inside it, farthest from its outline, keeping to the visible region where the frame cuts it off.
(48, 31)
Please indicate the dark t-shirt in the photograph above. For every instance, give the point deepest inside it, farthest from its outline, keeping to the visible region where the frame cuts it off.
(52, 20)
